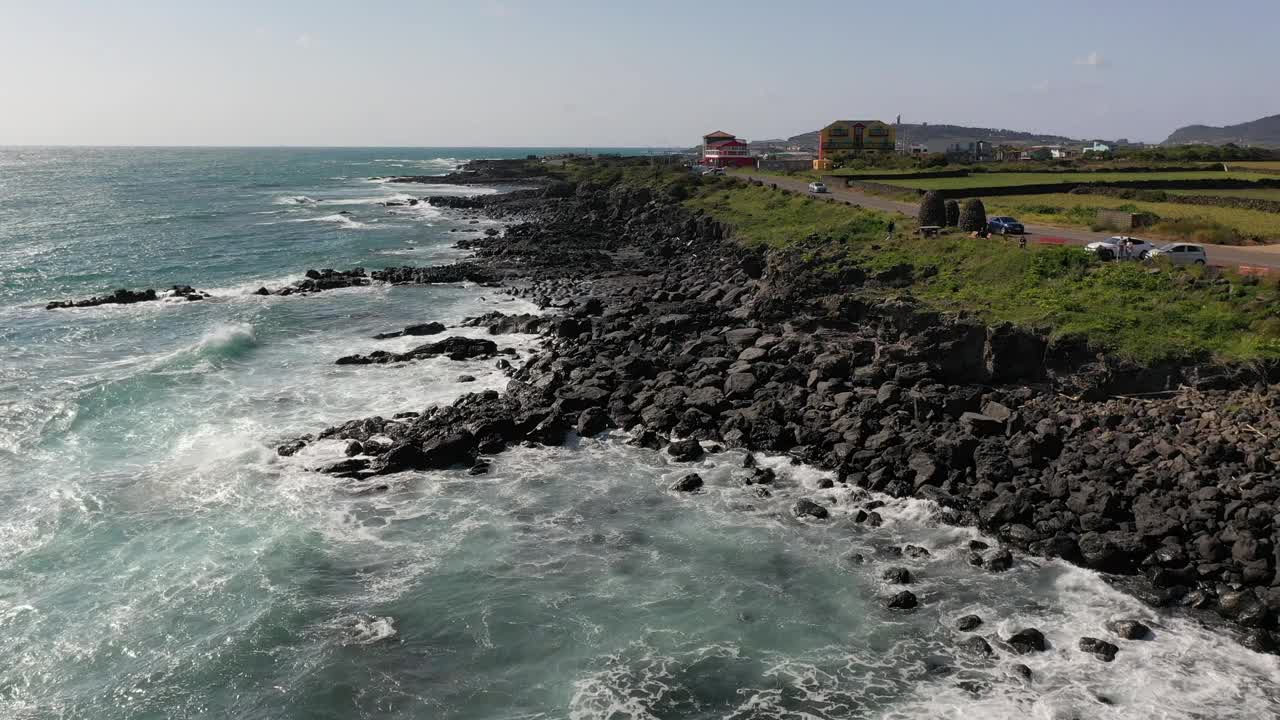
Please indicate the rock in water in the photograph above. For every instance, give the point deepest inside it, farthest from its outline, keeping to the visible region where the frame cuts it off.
(1101, 649)
(431, 328)
(999, 561)
(1129, 629)
(905, 600)
(976, 645)
(968, 623)
(1026, 641)
(685, 450)
(808, 508)
(688, 483)
(898, 576)
(455, 348)
(592, 421)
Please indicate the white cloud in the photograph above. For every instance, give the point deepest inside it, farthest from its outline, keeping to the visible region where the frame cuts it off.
(304, 40)
(1093, 59)
(1040, 86)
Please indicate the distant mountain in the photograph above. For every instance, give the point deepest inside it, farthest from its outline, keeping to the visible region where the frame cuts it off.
(1265, 131)
(937, 137)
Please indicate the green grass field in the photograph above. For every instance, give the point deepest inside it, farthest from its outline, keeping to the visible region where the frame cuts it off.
(1118, 306)
(1219, 226)
(1012, 179)
(1259, 194)
(1259, 165)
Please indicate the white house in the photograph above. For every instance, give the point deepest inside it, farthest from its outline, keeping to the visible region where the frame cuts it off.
(1098, 147)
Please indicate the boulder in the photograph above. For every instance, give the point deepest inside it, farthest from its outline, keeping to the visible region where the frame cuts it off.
(1129, 629)
(1101, 649)
(686, 450)
(808, 508)
(1027, 640)
(688, 483)
(592, 421)
(905, 600)
(897, 576)
(968, 623)
(976, 645)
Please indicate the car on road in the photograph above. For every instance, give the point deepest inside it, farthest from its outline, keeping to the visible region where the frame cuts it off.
(1182, 253)
(817, 187)
(1113, 248)
(713, 171)
(1005, 225)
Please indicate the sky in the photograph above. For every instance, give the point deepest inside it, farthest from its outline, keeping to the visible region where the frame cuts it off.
(610, 73)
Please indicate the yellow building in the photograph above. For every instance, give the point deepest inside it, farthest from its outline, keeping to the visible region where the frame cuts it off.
(843, 137)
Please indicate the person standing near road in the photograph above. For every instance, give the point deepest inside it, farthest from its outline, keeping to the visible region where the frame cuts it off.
(890, 235)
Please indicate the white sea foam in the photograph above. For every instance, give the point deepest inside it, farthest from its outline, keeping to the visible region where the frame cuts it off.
(396, 197)
(345, 221)
(294, 200)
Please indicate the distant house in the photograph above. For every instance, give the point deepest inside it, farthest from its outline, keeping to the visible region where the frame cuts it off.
(1046, 152)
(848, 137)
(973, 151)
(720, 149)
(1098, 147)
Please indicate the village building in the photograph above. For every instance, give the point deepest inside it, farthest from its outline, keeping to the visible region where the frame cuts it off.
(850, 137)
(720, 149)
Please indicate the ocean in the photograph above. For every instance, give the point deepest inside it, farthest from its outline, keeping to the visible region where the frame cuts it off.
(158, 559)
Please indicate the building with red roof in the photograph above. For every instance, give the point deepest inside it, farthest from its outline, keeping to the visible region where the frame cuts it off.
(720, 149)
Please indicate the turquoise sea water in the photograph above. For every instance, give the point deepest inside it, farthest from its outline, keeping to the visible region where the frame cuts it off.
(159, 560)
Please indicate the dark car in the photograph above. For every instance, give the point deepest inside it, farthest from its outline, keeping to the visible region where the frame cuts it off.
(1004, 225)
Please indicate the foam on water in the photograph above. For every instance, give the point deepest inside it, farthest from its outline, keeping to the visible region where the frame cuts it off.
(345, 221)
(160, 559)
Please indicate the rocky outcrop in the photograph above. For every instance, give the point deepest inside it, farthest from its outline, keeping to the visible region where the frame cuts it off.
(455, 348)
(428, 328)
(665, 327)
(124, 296)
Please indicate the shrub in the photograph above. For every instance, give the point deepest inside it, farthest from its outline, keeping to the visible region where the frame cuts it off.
(953, 213)
(933, 210)
(934, 160)
(1058, 261)
(974, 216)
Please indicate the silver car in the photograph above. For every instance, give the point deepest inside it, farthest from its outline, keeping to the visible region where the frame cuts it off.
(1182, 253)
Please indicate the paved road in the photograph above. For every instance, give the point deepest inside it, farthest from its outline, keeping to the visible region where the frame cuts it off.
(1229, 255)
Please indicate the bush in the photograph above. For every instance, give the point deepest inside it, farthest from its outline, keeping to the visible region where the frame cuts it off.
(934, 160)
(933, 210)
(974, 216)
(1058, 261)
(953, 213)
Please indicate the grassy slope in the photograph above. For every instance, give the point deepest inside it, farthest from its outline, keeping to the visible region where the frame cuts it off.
(1121, 307)
(1011, 179)
(1223, 225)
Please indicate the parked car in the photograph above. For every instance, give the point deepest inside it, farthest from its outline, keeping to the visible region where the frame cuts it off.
(1111, 248)
(713, 171)
(1005, 225)
(1182, 253)
(817, 187)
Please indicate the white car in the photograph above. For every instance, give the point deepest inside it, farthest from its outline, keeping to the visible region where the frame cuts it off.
(1111, 248)
(1182, 253)
(817, 187)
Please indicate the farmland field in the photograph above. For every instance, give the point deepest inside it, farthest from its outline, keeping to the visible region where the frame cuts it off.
(1260, 165)
(1181, 222)
(1259, 194)
(1012, 179)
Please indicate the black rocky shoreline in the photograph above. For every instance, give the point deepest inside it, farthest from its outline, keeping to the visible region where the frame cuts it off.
(1164, 477)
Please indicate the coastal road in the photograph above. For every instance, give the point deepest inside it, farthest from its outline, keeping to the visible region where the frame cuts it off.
(1267, 256)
